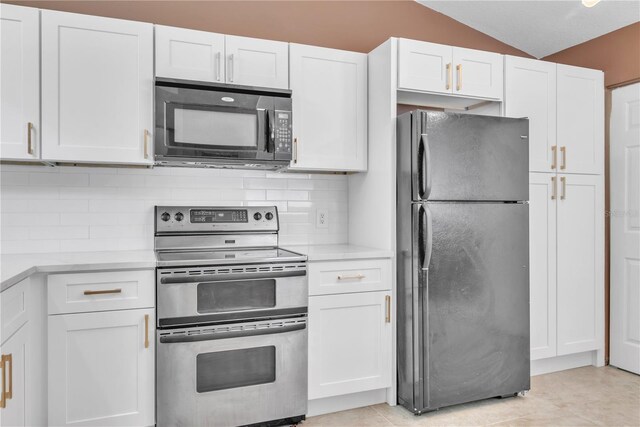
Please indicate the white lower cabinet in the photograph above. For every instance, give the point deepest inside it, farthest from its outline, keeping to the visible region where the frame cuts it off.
(580, 263)
(349, 343)
(102, 368)
(566, 264)
(13, 368)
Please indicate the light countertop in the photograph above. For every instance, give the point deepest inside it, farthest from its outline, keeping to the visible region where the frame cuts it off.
(338, 252)
(16, 267)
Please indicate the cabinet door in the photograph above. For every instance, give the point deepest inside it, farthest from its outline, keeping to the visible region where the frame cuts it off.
(580, 263)
(20, 81)
(477, 73)
(14, 370)
(542, 263)
(97, 89)
(580, 120)
(101, 368)
(257, 62)
(330, 109)
(530, 91)
(424, 66)
(349, 343)
(189, 54)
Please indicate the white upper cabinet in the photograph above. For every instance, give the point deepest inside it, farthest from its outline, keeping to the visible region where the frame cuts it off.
(580, 263)
(542, 264)
(477, 73)
(189, 54)
(580, 120)
(20, 82)
(424, 66)
(443, 69)
(530, 91)
(256, 62)
(97, 89)
(329, 109)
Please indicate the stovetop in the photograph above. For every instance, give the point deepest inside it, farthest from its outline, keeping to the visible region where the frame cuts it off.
(226, 256)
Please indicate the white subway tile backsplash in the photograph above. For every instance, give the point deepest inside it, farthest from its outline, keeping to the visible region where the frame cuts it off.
(68, 209)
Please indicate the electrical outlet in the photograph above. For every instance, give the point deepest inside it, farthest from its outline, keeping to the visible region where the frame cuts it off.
(322, 218)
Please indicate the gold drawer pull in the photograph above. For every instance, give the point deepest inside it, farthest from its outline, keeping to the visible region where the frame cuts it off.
(103, 292)
(354, 277)
(449, 76)
(387, 317)
(563, 194)
(554, 188)
(563, 150)
(146, 331)
(146, 144)
(4, 393)
(554, 152)
(459, 82)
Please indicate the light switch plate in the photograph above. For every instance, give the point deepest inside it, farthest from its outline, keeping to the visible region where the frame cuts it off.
(322, 218)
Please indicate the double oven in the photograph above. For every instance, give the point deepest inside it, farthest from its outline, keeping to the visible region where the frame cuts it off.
(232, 319)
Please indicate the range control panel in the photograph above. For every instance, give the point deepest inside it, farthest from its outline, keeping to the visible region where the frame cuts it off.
(190, 219)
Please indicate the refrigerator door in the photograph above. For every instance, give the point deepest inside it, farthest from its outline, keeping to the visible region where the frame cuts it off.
(468, 157)
(473, 273)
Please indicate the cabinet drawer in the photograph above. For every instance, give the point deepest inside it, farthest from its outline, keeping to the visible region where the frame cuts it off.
(339, 277)
(115, 290)
(14, 308)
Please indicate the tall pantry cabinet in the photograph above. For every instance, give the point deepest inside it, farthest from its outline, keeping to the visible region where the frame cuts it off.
(565, 107)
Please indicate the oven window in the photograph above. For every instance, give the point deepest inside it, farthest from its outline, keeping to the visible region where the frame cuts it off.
(213, 127)
(216, 297)
(222, 370)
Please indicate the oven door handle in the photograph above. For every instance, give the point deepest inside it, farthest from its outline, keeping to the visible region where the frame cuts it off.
(234, 334)
(230, 276)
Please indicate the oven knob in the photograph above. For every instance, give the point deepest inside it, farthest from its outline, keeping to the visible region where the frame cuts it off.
(179, 216)
(257, 216)
(165, 216)
(269, 216)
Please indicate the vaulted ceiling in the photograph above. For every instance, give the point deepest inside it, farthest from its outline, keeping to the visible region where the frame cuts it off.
(540, 27)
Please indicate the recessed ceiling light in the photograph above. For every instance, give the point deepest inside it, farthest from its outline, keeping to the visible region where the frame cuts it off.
(590, 3)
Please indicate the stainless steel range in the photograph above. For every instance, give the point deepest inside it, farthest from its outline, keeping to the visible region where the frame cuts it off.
(232, 319)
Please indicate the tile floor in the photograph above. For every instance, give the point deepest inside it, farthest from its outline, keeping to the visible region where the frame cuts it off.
(578, 397)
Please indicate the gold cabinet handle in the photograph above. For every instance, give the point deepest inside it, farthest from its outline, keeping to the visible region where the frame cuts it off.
(230, 72)
(563, 182)
(387, 317)
(353, 277)
(146, 331)
(295, 150)
(3, 399)
(554, 188)
(103, 292)
(29, 142)
(218, 66)
(459, 77)
(449, 76)
(146, 144)
(554, 157)
(9, 393)
(563, 150)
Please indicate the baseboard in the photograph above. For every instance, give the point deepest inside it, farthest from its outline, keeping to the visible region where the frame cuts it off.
(346, 401)
(562, 363)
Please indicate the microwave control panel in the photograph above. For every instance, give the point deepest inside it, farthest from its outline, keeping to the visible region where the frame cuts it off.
(282, 137)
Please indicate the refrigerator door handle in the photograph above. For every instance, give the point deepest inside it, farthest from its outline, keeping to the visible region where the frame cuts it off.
(424, 174)
(426, 244)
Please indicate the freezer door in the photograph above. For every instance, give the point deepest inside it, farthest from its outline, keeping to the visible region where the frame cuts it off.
(468, 157)
(473, 260)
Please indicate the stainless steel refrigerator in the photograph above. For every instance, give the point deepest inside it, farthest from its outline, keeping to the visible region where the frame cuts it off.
(463, 258)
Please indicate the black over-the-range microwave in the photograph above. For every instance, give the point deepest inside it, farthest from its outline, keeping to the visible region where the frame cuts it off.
(208, 124)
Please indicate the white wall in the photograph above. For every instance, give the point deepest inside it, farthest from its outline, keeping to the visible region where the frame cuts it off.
(67, 209)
